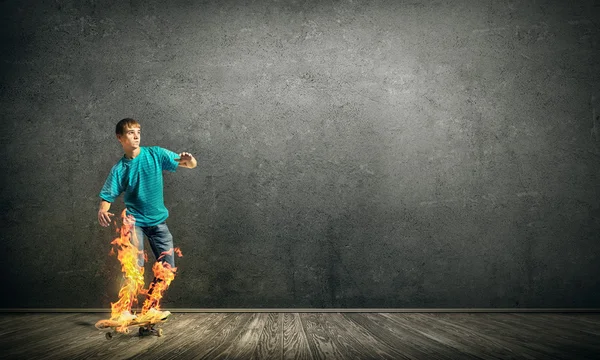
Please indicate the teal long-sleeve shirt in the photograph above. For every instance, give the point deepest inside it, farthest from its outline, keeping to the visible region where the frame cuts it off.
(141, 180)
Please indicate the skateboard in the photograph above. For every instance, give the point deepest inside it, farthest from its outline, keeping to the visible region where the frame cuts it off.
(146, 326)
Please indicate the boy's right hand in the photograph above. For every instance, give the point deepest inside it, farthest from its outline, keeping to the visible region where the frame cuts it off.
(104, 217)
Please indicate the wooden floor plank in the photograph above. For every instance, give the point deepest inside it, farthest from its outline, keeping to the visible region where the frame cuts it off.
(197, 338)
(571, 323)
(270, 341)
(33, 336)
(582, 322)
(522, 338)
(466, 341)
(306, 336)
(295, 342)
(350, 343)
(385, 349)
(542, 334)
(319, 340)
(246, 342)
(132, 345)
(410, 341)
(356, 341)
(219, 342)
(498, 333)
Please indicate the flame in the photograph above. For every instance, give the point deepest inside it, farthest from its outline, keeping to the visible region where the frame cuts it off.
(133, 274)
(163, 275)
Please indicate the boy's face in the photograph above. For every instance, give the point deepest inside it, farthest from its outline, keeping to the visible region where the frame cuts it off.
(131, 138)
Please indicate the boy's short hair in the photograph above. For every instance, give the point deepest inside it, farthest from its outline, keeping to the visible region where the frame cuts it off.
(126, 123)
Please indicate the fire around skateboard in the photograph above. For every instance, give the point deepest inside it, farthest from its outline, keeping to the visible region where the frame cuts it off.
(146, 326)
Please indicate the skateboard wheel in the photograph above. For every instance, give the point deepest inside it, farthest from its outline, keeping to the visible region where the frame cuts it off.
(159, 332)
(108, 336)
(141, 331)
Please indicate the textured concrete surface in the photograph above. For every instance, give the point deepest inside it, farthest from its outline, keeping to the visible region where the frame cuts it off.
(350, 153)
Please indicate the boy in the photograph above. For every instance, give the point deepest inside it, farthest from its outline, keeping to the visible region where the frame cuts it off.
(139, 175)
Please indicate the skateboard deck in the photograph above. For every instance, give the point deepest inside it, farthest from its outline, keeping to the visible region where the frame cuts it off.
(146, 326)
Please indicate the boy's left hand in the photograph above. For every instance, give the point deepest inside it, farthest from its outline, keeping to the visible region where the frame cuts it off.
(184, 157)
(186, 160)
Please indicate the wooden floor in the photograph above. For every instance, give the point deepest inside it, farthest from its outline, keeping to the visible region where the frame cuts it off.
(309, 336)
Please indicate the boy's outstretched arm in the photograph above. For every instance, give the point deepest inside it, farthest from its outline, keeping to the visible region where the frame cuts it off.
(186, 160)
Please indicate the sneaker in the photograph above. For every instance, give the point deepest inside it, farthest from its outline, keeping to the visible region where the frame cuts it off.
(154, 315)
(126, 316)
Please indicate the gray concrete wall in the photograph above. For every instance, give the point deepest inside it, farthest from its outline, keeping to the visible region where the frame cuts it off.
(350, 153)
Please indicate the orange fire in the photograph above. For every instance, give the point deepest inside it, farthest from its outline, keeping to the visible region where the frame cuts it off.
(163, 275)
(133, 274)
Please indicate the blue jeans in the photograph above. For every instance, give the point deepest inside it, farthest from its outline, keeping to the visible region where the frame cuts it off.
(160, 240)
